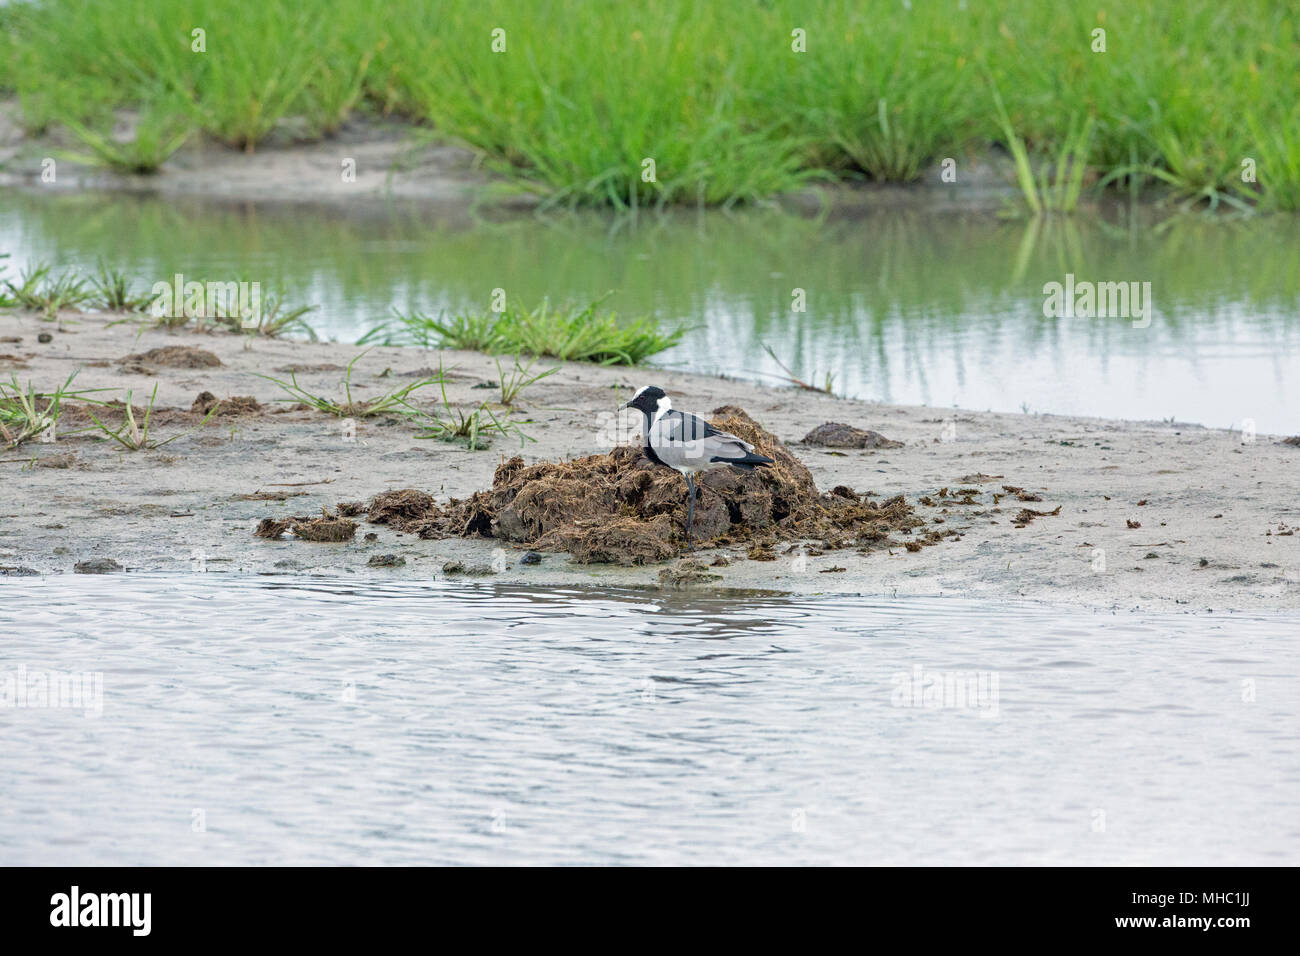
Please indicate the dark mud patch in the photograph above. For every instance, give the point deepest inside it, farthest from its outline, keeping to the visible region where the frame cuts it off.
(839, 435)
(97, 566)
(113, 414)
(323, 527)
(63, 459)
(686, 572)
(469, 570)
(173, 356)
(622, 508)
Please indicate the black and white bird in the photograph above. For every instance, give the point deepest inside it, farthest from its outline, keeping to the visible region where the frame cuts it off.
(688, 444)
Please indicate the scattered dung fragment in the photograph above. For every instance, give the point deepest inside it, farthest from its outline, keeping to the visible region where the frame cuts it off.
(839, 435)
(1026, 515)
(687, 571)
(225, 407)
(1020, 493)
(386, 561)
(324, 527)
(44, 338)
(174, 356)
(97, 566)
(1132, 524)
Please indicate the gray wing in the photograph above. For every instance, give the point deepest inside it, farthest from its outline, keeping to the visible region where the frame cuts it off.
(684, 427)
(689, 443)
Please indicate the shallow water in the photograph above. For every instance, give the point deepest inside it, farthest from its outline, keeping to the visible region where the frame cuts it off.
(902, 307)
(266, 720)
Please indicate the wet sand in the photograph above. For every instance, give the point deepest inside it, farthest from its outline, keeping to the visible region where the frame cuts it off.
(1152, 515)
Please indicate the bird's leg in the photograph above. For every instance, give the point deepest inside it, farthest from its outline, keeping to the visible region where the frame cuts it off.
(690, 510)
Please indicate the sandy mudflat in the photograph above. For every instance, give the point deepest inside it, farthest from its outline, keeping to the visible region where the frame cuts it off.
(1215, 528)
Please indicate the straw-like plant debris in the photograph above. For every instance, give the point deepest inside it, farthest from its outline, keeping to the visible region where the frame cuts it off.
(323, 527)
(621, 508)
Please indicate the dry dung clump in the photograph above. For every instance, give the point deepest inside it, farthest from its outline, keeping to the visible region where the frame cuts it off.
(173, 356)
(231, 406)
(323, 527)
(839, 435)
(399, 508)
(622, 508)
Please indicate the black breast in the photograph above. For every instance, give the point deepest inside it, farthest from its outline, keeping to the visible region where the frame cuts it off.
(650, 452)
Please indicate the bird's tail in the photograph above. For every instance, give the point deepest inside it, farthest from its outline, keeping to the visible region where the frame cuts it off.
(748, 463)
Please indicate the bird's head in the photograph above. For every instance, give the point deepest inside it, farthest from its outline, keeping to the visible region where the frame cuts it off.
(650, 399)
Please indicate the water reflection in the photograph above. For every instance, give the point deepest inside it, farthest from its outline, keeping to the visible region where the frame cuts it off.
(901, 307)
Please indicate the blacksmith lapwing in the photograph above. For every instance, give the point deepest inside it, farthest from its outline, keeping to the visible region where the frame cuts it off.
(688, 444)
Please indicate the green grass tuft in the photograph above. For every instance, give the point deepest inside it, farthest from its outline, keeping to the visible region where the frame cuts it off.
(571, 335)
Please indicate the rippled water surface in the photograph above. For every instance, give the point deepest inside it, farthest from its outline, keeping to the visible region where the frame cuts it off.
(265, 720)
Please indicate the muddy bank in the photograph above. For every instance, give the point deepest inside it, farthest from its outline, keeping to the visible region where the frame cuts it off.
(385, 159)
(1069, 510)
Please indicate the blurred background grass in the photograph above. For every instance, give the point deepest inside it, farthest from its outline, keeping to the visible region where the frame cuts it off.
(711, 91)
